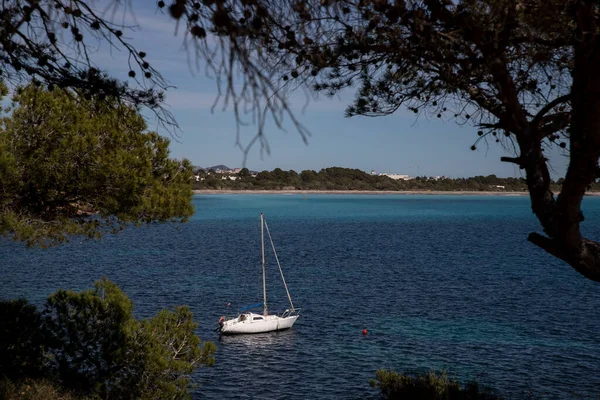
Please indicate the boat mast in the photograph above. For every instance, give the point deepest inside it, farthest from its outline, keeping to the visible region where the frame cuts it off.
(262, 241)
(279, 265)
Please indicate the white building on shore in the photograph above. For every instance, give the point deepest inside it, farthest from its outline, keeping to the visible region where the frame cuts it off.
(396, 176)
(392, 176)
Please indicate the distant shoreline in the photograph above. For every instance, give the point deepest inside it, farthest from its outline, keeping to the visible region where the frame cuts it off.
(418, 192)
(413, 192)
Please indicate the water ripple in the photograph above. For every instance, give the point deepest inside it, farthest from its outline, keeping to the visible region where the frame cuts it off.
(439, 281)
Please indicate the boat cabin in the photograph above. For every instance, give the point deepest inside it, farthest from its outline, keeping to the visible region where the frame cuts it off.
(250, 317)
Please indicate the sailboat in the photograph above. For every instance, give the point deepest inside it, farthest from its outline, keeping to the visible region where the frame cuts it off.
(249, 322)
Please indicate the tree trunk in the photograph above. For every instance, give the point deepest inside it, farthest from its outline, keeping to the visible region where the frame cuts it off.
(561, 222)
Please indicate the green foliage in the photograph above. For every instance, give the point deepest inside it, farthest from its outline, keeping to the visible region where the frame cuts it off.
(170, 355)
(98, 347)
(244, 173)
(21, 340)
(429, 386)
(87, 335)
(30, 389)
(72, 166)
(337, 178)
(3, 90)
(94, 346)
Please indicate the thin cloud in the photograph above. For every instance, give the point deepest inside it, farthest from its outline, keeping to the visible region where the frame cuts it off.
(183, 100)
(159, 23)
(309, 103)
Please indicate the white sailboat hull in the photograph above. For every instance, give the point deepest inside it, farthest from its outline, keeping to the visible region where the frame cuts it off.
(249, 322)
(257, 323)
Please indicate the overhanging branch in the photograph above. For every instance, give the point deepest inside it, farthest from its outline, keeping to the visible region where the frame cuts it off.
(549, 245)
(514, 160)
(559, 100)
(584, 259)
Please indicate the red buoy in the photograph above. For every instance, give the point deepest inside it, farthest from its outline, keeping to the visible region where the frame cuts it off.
(364, 331)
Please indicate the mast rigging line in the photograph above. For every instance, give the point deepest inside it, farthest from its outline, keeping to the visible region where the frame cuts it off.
(279, 265)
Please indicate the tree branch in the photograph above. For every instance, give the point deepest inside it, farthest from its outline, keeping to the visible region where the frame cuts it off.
(515, 160)
(559, 100)
(583, 259)
(553, 123)
(549, 245)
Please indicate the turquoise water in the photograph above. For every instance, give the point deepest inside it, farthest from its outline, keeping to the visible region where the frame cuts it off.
(438, 281)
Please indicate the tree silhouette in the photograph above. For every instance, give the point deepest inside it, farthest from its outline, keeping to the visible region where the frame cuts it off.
(52, 42)
(524, 72)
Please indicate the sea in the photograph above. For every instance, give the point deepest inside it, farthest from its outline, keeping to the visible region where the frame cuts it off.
(439, 282)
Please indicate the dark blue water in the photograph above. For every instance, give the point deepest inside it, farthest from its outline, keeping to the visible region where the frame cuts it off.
(438, 281)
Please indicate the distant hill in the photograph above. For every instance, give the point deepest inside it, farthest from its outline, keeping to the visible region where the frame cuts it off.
(214, 167)
(220, 166)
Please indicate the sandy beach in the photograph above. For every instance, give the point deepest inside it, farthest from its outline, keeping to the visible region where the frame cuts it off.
(416, 192)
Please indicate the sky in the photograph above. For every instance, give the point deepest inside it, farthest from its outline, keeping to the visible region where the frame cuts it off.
(395, 144)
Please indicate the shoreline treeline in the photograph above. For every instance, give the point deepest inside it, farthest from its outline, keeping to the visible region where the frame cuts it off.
(338, 178)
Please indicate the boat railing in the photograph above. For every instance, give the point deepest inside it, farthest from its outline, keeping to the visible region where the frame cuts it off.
(289, 313)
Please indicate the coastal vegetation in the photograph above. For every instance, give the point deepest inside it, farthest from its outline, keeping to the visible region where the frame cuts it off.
(428, 386)
(337, 178)
(35, 389)
(76, 166)
(89, 344)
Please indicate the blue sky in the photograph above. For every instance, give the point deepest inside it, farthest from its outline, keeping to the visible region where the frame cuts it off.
(397, 143)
